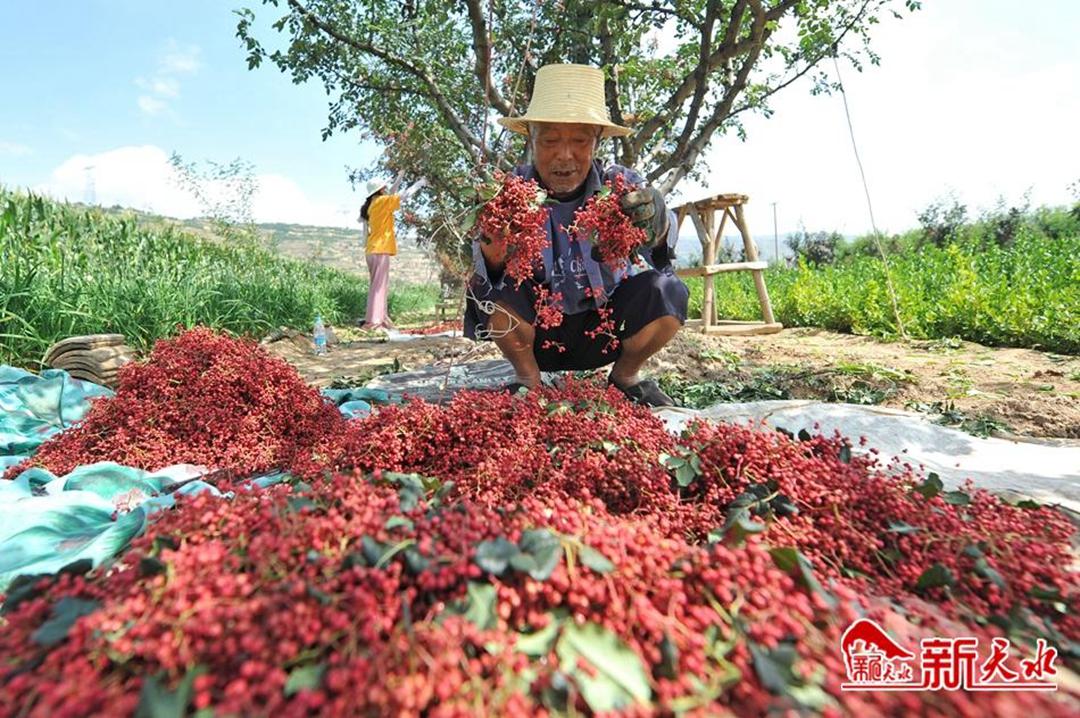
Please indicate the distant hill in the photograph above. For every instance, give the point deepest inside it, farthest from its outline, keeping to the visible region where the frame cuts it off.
(330, 246)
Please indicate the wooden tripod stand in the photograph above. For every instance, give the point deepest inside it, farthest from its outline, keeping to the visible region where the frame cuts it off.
(703, 213)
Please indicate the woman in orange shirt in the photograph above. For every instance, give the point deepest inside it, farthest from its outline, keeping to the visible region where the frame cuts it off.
(377, 231)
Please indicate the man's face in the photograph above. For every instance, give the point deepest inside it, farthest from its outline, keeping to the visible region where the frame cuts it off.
(563, 153)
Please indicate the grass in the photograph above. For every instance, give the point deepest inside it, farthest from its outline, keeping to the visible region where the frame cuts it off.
(66, 271)
(1024, 295)
(852, 383)
(949, 415)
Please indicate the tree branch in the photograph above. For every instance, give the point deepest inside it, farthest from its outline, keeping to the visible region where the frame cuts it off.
(682, 165)
(701, 72)
(482, 51)
(654, 7)
(811, 64)
(471, 142)
(725, 52)
(611, 91)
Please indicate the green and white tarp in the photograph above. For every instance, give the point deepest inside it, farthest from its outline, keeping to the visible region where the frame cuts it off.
(33, 408)
(48, 522)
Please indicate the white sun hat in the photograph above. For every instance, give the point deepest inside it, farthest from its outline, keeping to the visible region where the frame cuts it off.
(373, 186)
(567, 93)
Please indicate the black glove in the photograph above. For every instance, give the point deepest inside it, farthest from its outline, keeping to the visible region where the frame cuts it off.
(646, 209)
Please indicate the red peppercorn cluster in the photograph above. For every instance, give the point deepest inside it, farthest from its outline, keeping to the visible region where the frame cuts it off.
(490, 556)
(605, 327)
(603, 221)
(548, 308)
(200, 398)
(517, 218)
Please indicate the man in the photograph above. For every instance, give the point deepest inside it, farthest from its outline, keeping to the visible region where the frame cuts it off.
(565, 123)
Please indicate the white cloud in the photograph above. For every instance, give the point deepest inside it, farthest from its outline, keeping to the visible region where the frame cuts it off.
(160, 86)
(150, 105)
(959, 104)
(141, 177)
(179, 60)
(164, 85)
(14, 149)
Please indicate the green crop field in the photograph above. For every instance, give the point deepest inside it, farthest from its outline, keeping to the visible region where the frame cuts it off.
(1025, 294)
(66, 271)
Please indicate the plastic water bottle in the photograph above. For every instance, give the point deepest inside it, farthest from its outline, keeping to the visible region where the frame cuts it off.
(320, 335)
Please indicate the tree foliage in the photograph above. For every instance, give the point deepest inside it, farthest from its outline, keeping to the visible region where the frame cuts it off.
(427, 78)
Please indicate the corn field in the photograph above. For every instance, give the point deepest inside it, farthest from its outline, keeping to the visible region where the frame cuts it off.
(68, 271)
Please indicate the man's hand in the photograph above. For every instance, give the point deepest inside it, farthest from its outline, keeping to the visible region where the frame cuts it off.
(646, 209)
(494, 252)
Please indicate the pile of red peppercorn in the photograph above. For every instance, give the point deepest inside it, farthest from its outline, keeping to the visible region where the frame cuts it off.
(526, 555)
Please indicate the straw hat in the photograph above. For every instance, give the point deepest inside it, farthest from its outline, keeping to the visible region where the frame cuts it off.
(374, 186)
(567, 93)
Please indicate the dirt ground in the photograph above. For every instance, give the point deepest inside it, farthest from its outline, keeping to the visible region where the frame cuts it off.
(980, 389)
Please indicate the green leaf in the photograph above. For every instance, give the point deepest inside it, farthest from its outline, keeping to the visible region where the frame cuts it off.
(972, 551)
(304, 678)
(1045, 594)
(396, 521)
(480, 605)
(685, 475)
(931, 487)
(64, 614)
(24, 587)
(157, 701)
(545, 549)
(937, 576)
(804, 435)
(891, 555)
(494, 556)
(686, 468)
(595, 560)
(984, 570)
(559, 407)
(161, 543)
(956, 498)
(783, 506)
(737, 527)
(150, 566)
(1029, 504)
(776, 670)
(791, 561)
(410, 488)
(296, 504)
(845, 454)
(899, 527)
(669, 659)
(372, 550)
(620, 679)
(539, 643)
(670, 462)
(416, 562)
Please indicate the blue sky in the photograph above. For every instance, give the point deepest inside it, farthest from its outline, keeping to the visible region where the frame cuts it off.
(96, 76)
(973, 97)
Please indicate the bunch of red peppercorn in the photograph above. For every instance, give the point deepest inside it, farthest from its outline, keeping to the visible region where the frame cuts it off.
(603, 221)
(516, 217)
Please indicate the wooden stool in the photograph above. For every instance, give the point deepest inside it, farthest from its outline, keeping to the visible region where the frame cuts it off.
(703, 214)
